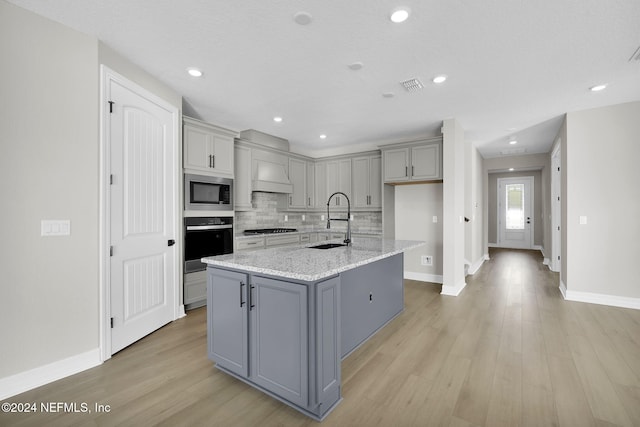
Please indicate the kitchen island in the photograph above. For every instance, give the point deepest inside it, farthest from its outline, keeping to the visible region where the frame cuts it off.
(282, 319)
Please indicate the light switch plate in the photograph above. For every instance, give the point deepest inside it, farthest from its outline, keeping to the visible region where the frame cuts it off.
(435, 219)
(583, 220)
(55, 227)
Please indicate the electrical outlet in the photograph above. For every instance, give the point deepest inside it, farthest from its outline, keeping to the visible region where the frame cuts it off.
(321, 217)
(303, 217)
(286, 218)
(426, 260)
(351, 218)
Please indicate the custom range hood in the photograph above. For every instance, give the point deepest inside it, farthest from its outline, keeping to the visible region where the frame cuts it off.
(269, 168)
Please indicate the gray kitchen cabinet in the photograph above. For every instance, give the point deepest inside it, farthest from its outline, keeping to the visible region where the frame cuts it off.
(371, 295)
(321, 185)
(425, 162)
(338, 179)
(284, 239)
(250, 244)
(418, 161)
(279, 336)
(298, 179)
(367, 182)
(208, 149)
(242, 181)
(195, 289)
(311, 185)
(228, 334)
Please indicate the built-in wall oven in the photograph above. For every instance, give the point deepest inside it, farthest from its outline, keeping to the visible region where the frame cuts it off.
(206, 236)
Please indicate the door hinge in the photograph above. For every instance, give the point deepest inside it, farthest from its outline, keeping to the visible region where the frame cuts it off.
(111, 179)
(558, 228)
(558, 169)
(111, 106)
(558, 257)
(112, 323)
(110, 250)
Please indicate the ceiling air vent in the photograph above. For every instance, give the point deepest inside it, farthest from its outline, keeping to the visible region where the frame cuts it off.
(412, 85)
(635, 56)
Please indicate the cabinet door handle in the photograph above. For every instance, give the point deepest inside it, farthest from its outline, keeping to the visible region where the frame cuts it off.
(290, 200)
(209, 160)
(406, 171)
(241, 302)
(213, 161)
(309, 201)
(412, 171)
(251, 288)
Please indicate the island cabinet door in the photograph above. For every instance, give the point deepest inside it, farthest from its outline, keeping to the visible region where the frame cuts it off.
(227, 331)
(279, 338)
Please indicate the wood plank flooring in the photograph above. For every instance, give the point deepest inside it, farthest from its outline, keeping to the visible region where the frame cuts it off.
(509, 351)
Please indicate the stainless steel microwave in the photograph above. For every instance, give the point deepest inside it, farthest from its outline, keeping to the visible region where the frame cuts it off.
(209, 193)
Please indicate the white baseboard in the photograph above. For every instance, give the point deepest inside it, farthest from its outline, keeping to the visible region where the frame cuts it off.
(423, 277)
(453, 290)
(537, 248)
(181, 311)
(486, 257)
(602, 299)
(473, 268)
(546, 262)
(24, 381)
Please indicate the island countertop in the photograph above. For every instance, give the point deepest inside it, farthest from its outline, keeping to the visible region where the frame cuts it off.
(308, 264)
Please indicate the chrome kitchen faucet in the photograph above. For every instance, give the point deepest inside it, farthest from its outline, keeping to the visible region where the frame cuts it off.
(347, 240)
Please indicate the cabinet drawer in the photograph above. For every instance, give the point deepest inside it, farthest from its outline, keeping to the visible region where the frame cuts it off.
(282, 240)
(250, 244)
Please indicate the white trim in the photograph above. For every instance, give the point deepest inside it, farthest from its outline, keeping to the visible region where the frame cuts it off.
(493, 245)
(28, 380)
(453, 290)
(531, 181)
(602, 299)
(486, 257)
(563, 289)
(107, 75)
(473, 268)
(423, 277)
(537, 248)
(545, 261)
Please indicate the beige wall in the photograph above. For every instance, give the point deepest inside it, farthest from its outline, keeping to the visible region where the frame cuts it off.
(602, 176)
(416, 205)
(48, 170)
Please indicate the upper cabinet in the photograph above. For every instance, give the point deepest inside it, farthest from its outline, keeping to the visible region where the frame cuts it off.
(242, 184)
(298, 177)
(208, 149)
(338, 179)
(367, 182)
(417, 161)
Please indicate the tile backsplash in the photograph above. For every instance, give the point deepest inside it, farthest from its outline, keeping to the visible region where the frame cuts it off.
(265, 214)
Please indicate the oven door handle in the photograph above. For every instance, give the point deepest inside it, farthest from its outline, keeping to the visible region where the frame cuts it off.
(208, 227)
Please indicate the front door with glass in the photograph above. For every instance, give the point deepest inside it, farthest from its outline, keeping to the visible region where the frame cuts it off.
(515, 220)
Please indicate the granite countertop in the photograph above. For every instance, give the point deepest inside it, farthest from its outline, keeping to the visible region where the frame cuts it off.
(373, 232)
(303, 263)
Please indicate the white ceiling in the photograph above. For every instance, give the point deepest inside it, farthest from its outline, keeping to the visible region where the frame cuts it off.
(514, 67)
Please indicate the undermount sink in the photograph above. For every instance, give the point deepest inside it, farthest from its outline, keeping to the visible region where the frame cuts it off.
(327, 246)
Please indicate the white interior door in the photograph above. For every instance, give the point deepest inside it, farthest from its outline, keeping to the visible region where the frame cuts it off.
(515, 219)
(142, 199)
(556, 210)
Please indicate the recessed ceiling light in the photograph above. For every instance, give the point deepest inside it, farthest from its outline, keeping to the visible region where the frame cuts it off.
(302, 18)
(439, 79)
(277, 119)
(399, 15)
(194, 72)
(355, 66)
(598, 88)
(511, 169)
(513, 141)
(323, 136)
(388, 94)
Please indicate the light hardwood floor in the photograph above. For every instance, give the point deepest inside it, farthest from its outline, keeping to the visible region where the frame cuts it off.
(508, 351)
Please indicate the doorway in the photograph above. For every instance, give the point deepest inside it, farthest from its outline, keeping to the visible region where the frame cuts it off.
(515, 218)
(139, 212)
(556, 208)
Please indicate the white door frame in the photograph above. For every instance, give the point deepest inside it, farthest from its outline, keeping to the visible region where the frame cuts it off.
(107, 75)
(531, 207)
(556, 207)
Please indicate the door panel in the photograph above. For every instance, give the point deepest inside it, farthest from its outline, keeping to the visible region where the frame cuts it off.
(515, 200)
(142, 201)
(279, 338)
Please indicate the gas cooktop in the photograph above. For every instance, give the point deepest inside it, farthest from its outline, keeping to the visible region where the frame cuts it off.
(270, 230)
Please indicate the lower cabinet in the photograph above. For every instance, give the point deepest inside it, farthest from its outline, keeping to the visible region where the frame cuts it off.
(277, 335)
